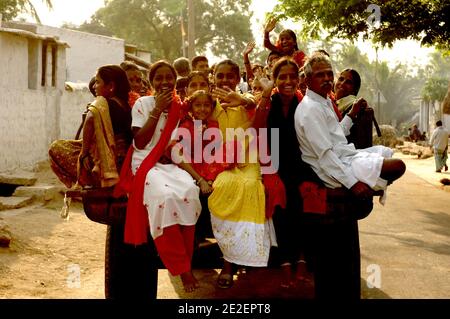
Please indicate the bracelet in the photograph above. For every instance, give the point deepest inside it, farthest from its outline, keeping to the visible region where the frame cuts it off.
(153, 116)
(199, 180)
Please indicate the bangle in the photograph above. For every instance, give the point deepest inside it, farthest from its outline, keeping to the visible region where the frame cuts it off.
(199, 180)
(154, 117)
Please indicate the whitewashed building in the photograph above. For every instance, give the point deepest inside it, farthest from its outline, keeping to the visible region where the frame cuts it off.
(43, 88)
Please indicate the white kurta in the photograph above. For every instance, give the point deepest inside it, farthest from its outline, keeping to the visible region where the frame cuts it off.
(170, 194)
(325, 147)
(439, 138)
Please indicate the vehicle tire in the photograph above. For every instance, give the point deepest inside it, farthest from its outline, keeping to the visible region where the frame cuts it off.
(131, 272)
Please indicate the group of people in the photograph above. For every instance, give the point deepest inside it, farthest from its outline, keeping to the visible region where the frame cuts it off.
(171, 152)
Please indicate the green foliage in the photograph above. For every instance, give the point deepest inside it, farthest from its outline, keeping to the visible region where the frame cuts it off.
(223, 26)
(423, 20)
(11, 8)
(435, 89)
(437, 75)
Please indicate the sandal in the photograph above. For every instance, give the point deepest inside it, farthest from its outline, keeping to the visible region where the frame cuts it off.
(225, 281)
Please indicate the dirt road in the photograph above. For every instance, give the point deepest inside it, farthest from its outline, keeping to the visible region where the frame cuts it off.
(408, 238)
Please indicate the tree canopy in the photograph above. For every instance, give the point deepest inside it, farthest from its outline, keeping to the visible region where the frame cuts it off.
(383, 21)
(12, 8)
(223, 26)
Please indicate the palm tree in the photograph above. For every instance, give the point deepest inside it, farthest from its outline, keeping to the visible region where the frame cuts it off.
(28, 6)
(11, 8)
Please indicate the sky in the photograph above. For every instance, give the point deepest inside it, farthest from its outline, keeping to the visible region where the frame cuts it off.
(78, 11)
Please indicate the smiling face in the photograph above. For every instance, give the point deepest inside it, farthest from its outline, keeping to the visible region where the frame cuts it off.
(226, 77)
(163, 80)
(197, 82)
(321, 79)
(287, 43)
(287, 80)
(344, 85)
(202, 107)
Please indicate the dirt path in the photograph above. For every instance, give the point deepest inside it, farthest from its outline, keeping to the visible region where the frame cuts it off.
(47, 252)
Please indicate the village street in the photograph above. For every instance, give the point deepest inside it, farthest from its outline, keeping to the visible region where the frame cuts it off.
(405, 249)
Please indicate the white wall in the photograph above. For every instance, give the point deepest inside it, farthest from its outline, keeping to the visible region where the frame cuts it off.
(73, 104)
(34, 115)
(86, 52)
(13, 61)
(24, 128)
(32, 118)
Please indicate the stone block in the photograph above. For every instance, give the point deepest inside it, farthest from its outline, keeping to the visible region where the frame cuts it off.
(14, 202)
(39, 192)
(20, 179)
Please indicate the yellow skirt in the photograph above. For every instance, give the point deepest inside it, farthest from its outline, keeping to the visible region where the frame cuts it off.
(239, 195)
(237, 206)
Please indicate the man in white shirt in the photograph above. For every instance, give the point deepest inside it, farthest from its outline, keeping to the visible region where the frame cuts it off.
(324, 147)
(439, 143)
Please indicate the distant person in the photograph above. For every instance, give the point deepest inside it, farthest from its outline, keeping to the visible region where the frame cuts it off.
(197, 81)
(439, 143)
(200, 63)
(415, 134)
(182, 67)
(286, 44)
(180, 87)
(136, 80)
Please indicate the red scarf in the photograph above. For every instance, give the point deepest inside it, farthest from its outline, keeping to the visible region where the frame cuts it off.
(336, 109)
(136, 221)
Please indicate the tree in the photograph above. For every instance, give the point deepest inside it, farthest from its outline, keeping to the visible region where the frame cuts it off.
(11, 8)
(223, 26)
(423, 20)
(434, 89)
(437, 75)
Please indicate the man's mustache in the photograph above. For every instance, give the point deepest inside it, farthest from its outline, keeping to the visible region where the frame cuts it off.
(326, 83)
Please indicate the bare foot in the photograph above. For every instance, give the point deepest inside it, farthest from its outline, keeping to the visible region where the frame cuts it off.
(286, 280)
(190, 283)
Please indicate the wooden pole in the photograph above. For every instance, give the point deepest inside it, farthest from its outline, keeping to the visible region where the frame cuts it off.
(191, 29)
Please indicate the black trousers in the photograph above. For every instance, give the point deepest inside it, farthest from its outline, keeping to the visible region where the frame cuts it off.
(336, 259)
(291, 227)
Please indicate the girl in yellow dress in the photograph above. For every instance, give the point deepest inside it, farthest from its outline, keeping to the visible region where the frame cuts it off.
(237, 203)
